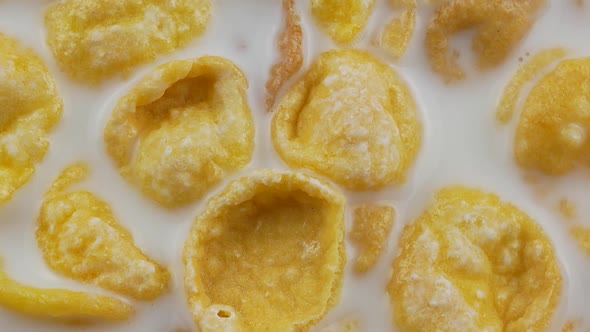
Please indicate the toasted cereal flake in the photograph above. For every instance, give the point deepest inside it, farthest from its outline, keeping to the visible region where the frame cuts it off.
(81, 239)
(396, 37)
(474, 263)
(182, 129)
(30, 110)
(499, 26)
(291, 60)
(94, 40)
(582, 236)
(372, 225)
(350, 118)
(552, 133)
(60, 304)
(342, 20)
(267, 254)
(345, 325)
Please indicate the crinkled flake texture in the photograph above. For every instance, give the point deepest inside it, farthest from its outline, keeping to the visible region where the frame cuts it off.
(30, 110)
(81, 239)
(351, 119)
(182, 129)
(342, 20)
(267, 254)
(93, 40)
(474, 263)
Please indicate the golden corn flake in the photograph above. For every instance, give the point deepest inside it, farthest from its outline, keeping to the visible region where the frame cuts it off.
(396, 37)
(182, 129)
(499, 26)
(372, 225)
(552, 134)
(30, 108)
(60, 304)
(267, 254)
(350, 118)
(93, 40)
(291, 47)
(81, 239)
(345, 325)
(342, 20)
(474, 263)
(582, 236)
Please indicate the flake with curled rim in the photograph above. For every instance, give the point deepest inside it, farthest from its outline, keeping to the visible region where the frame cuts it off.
(342, 20)
(267, 254)
(182, 129)
(81, 239)
(474, 263)
(94, 40)
(499, 26)
(31, 108)
(60, 304)
(552, 135)
(351, 119)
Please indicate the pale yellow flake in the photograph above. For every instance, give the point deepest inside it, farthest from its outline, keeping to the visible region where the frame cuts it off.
(60, 304)
(267, 254)
(499, 27)
(397, 35)
(182, 129)
(370, 231)
(31, 109)
(342, 20)
(345, 325)
(582, 237)
(472, 262)
(350, 118)
(81, 239)
(94, 40)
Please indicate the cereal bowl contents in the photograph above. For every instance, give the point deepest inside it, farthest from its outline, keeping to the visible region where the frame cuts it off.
(60, 304)
(267, 254)
(80, 238)
(94, 40)
(191, 125)
(472, 262)
(342, 20)
(29, 109)
(350, 118)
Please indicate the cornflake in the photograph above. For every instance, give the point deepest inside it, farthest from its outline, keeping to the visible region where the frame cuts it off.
(351, 119)
(81, 239)
(267, 254)
(474, 263)
(182, 129)
(342, 20)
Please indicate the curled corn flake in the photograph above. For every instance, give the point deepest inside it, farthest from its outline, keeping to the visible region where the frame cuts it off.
(523, 76)
(94, 40)
(60, 304)
(342, 20)
(499, 26)
(396, 37)
(350, 118)
(474, 263)
(267, 254)
(582, 237)
(291, 47)
(552, 133)
(371, 228)
(182, 129)
(30, 109)
(81, 239)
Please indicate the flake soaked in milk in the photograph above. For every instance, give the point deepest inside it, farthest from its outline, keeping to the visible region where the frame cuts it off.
(267, 254)
(552, 133)
(397, 35)
(182, 129)
(60, 304)
(474, 263)
(370, 231)
(342, 20)
(499, 26)
(81, 239)
(30, 110)
(350, 118)
(94, 40)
